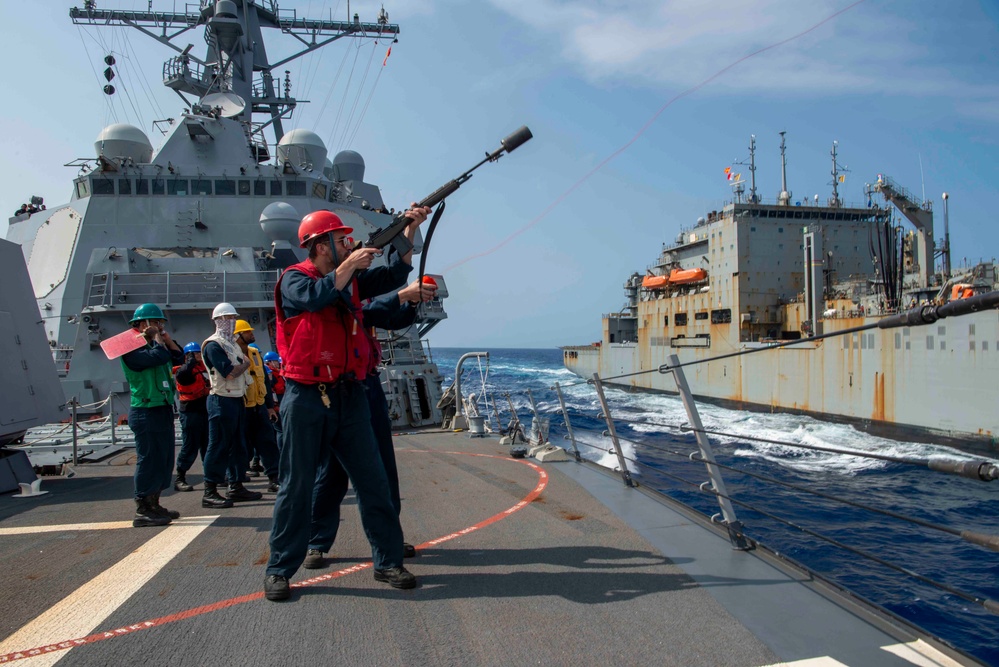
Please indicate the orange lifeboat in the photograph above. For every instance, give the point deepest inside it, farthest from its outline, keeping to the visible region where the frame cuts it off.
(655, 282)
(961, 291)
(685, 276)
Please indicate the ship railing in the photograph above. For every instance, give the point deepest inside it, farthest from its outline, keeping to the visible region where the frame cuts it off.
(183, 68)
(690, 463)
(403, 351)
(181, 289)
(687, 462)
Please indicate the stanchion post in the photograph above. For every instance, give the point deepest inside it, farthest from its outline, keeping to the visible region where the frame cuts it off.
(625, 473)
(74, 403)
(114, 439)
(568, 424)
(704, 444)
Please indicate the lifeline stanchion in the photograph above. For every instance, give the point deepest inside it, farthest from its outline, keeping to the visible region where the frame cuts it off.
(714, 473)
(568, 424)
(73, 403)
(114, 440)
(537, 417)
(625, 474)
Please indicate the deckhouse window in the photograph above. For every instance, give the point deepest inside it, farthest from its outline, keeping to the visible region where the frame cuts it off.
(103, 186)
(680, 319)
(225, 187)
(319, 190)
(276, 190)
(201, 187)
(244, 187)
(296, 189)
(142, 186)
(177, 187)
(159, 186)
(260, 188)
(124, 186)
(721, 316)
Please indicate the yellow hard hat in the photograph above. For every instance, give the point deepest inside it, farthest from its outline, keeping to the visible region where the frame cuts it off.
(241, 326)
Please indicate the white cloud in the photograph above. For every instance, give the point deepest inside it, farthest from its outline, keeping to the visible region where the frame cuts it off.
(682, 43)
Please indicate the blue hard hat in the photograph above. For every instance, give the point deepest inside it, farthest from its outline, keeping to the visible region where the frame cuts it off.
(254, 346)
(192, 347)
(268, 370)
(271, 356)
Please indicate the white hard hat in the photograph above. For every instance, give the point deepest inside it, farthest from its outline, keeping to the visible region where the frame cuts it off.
(224, 309)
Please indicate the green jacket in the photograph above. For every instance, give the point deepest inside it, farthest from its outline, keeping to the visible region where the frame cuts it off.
(150, 380)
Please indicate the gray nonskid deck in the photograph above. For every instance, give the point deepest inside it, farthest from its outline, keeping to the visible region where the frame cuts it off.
(563, 581)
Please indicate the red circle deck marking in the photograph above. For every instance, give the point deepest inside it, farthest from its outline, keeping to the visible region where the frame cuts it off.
(232, 602)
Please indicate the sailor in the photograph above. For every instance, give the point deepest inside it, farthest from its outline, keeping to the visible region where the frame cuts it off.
(193, 388)
(327, 353)
(259, 404)
(396, 310)
(150, 413)
(273, 362)
(226, 455)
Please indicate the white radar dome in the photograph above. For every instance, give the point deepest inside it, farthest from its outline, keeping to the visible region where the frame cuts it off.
(348, 166)
(280, 222)
(124, 141)
(302, 148)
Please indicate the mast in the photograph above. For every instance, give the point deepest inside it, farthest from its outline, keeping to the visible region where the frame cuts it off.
(738, 186)
(946, 241)
(835, 201)
(784, 198)
(236, 59)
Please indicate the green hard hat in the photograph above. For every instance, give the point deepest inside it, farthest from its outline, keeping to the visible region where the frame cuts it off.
(147, 311)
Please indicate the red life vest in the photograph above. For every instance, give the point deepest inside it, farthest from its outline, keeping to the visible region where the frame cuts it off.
(277, 382)
(325, 345)
(199, 388)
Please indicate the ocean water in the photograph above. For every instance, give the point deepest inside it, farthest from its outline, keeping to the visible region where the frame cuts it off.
(649, 424)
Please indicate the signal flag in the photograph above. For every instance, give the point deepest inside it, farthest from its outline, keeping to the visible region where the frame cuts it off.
(387, 54)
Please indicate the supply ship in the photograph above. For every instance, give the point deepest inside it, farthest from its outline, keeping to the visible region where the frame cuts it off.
(760, 274)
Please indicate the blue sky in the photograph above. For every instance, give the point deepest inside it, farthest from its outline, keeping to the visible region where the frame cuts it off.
(908, 88)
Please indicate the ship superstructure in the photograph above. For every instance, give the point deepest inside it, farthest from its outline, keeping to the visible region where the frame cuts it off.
(212, 214)
(758, 273)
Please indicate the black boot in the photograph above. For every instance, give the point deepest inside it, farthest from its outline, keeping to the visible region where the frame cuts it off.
(255, 468)
(154, 502)
(212, 499)
(239, 493)
(145, 515)
(181, 483)
(273, 487)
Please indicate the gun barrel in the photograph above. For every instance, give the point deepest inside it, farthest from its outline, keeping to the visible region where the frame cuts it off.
(519, 137)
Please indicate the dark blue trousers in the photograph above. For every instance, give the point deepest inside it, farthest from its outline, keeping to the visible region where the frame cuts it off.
(154, 447)
(194, 441)
(331, 481)
(312, 435)
(226, 455)
(261, 440)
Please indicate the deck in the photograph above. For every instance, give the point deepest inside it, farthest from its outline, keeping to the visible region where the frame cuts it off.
(520, 563)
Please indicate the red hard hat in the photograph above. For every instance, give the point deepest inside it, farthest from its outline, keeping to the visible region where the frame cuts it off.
(427, 280)
(319, 223)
